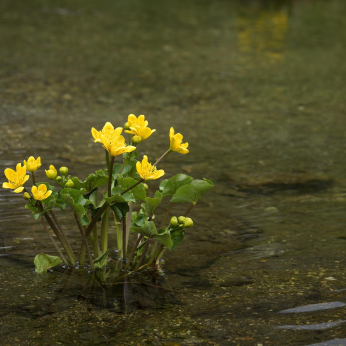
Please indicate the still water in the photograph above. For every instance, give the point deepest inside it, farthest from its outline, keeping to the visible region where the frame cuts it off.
(258, 90)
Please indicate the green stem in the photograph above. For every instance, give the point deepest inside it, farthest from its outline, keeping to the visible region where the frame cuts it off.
(62, 232)
(133, 251)
(124, 239)
(129, 138)
(104, 231)
(119, 237)
(33, 178)
(84, 240)
(110, 176)
(96, 245)
(59, 236)
(167, 212)
(103, 208)
(54, 243)
(164, 155)
(107, 160)
(189, 209)
(128, 223)
(157, 252)
(143, 254)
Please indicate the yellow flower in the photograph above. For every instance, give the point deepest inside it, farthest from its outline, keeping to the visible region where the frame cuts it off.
(116, 146)
(16, 179)
(32, 165)
(41, 192)
(108, 132)
(51, 173)
(175, 142)
(148, 171)
(139, 127)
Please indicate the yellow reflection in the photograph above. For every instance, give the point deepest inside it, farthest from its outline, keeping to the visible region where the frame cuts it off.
(263, 33)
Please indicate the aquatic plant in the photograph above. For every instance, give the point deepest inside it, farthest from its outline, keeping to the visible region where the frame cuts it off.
(112, 193)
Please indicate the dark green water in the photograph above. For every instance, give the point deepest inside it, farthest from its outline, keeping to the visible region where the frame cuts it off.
(258, 90)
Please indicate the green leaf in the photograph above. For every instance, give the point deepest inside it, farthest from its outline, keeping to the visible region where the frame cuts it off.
(138, 191)
(151, 204)
(192, 191)
(177, 237)
(169, 186)
(44, 262)
(117, 198)
(36, 212)
(53, 200)
(164, 239)
(85, 220)
(120, 210)
(148, 229)
(101, 261)
(92, 196)
(140, 219)
(93, 181)
(75, 199)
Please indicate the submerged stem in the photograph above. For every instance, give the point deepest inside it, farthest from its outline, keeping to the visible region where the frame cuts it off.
(124, 239)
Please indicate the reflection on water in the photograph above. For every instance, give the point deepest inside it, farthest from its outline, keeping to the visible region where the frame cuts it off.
(257, 88)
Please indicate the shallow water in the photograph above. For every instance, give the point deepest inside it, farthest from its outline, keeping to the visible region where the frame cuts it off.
(257, 88)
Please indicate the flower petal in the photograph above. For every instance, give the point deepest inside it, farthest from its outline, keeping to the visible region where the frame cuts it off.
(19, 189)
(10, 174)
(42, 188)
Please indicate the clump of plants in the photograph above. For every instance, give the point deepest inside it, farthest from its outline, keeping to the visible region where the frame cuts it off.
(118, 192)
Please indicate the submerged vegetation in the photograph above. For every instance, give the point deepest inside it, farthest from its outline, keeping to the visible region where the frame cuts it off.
(112, 193)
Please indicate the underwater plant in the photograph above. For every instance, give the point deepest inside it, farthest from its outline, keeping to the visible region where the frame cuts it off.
(117, 192)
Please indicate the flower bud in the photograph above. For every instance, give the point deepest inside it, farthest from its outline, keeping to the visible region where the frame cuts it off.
(63, 170)
(136, 140)
(146, 187)
(174, 221)
(188, 223)
(50, 174)
(58, 178)
(69, 183)
(126, 126)
(26, 196)
(181, 219)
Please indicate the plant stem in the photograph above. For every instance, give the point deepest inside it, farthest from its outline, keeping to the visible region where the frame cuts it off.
(129, 138)
(164, 155)
(104, 231)
(167, 212)
(103, 208)
(133, 250)
(124, 239)
(33, 178)
(84, 240)
(143, 254)
(110, 176)
(189, 209)
(62, 232)
(96, 246)
(59, 236)
(128, 223)
(107, 160)
(119, 236)
(54, 243)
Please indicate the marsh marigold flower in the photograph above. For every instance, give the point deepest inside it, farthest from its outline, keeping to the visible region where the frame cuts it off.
(108, 132)
(32, 165)
(148, 171)
(139, 126)
(40, 193)
(116, 146)
(175, 142)
(17, 179)
(51, 173)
